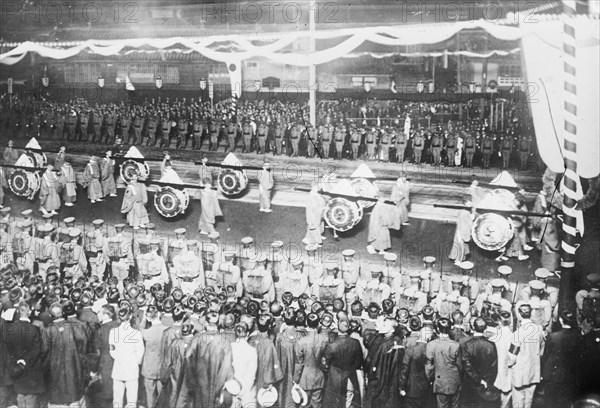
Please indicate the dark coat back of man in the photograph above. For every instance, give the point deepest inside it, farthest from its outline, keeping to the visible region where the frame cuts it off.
(103, 361)
(479, 362)
(558, 362)
(24, 342)
(589, 361)
(413, 379)
(341, 358)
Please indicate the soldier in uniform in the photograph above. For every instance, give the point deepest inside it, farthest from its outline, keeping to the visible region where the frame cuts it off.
(97, 126)
(125, 124)
(470, 147)
(326, 137)
(232, 128)
(295, 133)
(487, 149)
(350, 273)
(97, 262)
(504, 272)
(176, 245)
(152, 267)
(23, 247)
(469, 285)
(138, 125)
(329, 287)
(551, 293)
(375, 290)
(46, 250)
(449, 301)
(339, 139)
(541, 310)
(401, 141)
(385, 145)
(6, 253)
(431, 280)
(83, 126)
(59, 125)
(261, 134)
(247, 136)
(392, 275)
(120, 254)
(412, 298)
(247, 252)
(312, 264)
(72, 126)
(211, 251)
(436, 148)
(588, 304)
(355, 141)
(151, 123)
(182, 132)
(165, 127)
(418, 146)
(506, 146)
(451, 142)
(312, 139)
(489, 304)
(524, 150)
(188, 271)
(76, 264)
(371, 144)
(294, 280)
(111, 124)
(257, 281)
(278, 133)
(225, 273)
(278, 263)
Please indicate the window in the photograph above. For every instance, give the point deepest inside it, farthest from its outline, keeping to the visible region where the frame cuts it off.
(147, 73)
(82, 73)
(251, 64)
(513, 71)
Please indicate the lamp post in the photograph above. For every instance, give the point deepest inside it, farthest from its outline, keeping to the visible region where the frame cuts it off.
(45, 78)
(159, 83)
(420, 86)
(472, 87)
(203, 84)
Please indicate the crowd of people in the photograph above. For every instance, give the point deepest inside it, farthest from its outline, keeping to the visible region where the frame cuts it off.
(395, 131)
(100, 316)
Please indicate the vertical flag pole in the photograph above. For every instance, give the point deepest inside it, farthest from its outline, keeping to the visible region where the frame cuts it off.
(570, 179)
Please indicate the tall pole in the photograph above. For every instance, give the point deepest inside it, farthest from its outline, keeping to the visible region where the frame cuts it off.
(458, 74)
(312, 69)
(569, 241)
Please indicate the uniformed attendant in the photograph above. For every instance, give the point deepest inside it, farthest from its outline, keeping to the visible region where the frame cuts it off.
(278, 133)
(97, 127)
(294, 280)
(401, 141)
(247, 136)
(295, 133)
(391, 273)
(188, 271)
(470, 147)
(451, 142)
(211, 251)
(371, 142)
(350, 273)
(504, 272)
(418, 146)
(120, 254)
(413, 297)
(506, 146)
(313, 139)
(83, 125)
(326, 135)
(46, 250)
(436, 149)
(177, 244)
(261, 134)
(448, 302)
(588, 303)
(98, 263)
(6, 253)
(77, 264)
(151, 124)
(197, 130)
(247, 252)
(232, 129)
(431, 280)
(225, 274)
(257, 281)
(490, 304)
(469, 284)
(541, 310)
(313, 266)
(542, 275)
(339, 139)
(375, 291)
(524, 150)
(152, 267)
(487, 149)
(329, 287)
(265, 187)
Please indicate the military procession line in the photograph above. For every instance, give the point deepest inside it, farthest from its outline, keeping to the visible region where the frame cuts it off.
(421, 132)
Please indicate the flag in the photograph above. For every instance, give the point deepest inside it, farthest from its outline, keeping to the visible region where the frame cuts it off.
(128, 85)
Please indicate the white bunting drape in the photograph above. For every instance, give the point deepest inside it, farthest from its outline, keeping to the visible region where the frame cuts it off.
(277, 42)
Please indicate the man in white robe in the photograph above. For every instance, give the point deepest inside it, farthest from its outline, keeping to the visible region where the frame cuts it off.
(134, 201)
(383, 217)
(49, 198)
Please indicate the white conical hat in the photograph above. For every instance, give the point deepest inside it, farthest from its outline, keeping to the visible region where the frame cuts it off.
(171, 176)
(232, 160)
(33, 144)
(134, 152)
(363, 171)
(504, 179)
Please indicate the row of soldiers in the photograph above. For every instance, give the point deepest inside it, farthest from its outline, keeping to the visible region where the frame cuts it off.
(191, 127)
(265, 274)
